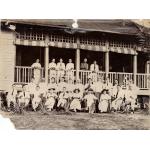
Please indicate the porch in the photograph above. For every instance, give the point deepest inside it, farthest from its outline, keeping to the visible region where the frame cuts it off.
(23, 75)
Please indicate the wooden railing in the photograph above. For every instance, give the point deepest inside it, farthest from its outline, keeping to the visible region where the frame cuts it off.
(24, 74)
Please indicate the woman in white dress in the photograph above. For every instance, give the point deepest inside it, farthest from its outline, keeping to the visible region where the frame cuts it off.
(50, 99)
(36, 99)
(36, 70)
(90, 98)
(104, 101)
(76, 103)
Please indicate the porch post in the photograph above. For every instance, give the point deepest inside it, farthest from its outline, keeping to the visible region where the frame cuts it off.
(46, 59)
(107, 59)
(134, 68)
(77, 59)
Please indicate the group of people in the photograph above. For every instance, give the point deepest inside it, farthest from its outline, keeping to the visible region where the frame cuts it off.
(101, 96)
(58, 70)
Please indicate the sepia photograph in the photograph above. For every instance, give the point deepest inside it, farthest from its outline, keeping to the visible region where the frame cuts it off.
(75, 74)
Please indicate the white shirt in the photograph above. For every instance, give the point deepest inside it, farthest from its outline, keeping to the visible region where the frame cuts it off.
(36, 66)
(60, 66)
(98, 86)
(69, 66)
(94, 67)
(52, 65)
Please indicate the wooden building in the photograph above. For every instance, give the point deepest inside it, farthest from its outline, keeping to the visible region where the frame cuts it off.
(117, 45)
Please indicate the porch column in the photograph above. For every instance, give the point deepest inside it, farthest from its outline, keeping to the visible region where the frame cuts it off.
(134, 68)
(77, 59)
(107, 59)
(46, 60)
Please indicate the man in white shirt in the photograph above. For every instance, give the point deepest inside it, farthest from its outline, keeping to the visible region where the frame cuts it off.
(69, 70)
(36, 67)
(60, 69)
(94, 68)
(52, 69)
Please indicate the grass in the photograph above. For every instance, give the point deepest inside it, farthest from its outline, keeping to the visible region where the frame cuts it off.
(79, 121)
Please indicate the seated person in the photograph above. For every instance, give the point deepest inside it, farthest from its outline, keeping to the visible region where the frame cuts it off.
(76, 103)
(104, 101)
(63, 99)
(26, 95)
(90, 100)
(50, 99)
(118, 101)
(11, 97)
(36, 98)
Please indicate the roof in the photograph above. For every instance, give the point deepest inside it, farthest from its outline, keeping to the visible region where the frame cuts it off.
(111, 26)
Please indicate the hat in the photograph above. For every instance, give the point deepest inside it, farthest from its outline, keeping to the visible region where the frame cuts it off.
(90, 89)
(76, 89)
(51, 88)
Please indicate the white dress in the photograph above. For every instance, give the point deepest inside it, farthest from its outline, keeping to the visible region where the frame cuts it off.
(50, 100)
(90, 99)
(36, 100)
(103, 104)
(75, 104)
(36, 71)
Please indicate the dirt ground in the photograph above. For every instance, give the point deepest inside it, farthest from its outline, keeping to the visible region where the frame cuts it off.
(79, 121)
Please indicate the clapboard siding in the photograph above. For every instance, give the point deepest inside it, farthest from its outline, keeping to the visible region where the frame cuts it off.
(7, 60)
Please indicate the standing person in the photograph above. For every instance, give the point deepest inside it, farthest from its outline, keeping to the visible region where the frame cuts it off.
(90, 98)
(76, 103)
(108, 85)
(61, 85)
(94, 68)
(89, 85)
(60, 69)
(52, 69)
(53, 84)
(104, 101)
(69, 70)
(36, 67)
(114, 89)
(84, 67)
(79, 85)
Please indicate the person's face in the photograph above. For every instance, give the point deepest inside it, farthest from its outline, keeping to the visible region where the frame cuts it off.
(53, 80)
(37, 61)
(24, 88)
(104, 92)
(53, 60)
(37, 88)
(62, 79)
(85, 60)
(51, 91)
(61, 60)
(70, 60)
(116, 81)
(64, 89)
(90, 81)
(95, 62)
